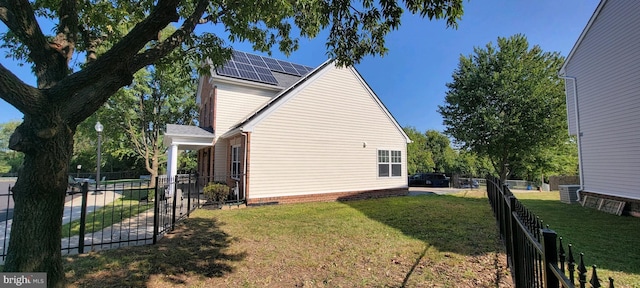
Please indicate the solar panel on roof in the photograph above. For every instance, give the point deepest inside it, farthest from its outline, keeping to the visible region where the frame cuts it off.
(228, 71)
(250, 75)
(243, 66)
(262, 70)
(273, 64)
(258, 68)
(288, 68)
(254, 57)
(268, 78)
(301, 69)
(258, 63)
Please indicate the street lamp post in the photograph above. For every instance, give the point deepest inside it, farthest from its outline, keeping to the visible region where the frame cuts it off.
(99, 129)
(78, 172)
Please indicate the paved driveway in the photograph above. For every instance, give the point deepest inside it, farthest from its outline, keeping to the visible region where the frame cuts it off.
(413, 191)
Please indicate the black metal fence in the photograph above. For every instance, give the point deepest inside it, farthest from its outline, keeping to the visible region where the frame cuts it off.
(535, 254)
(120, 213)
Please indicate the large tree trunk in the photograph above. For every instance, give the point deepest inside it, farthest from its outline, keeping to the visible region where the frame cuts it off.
(39, 194)
(153, 171)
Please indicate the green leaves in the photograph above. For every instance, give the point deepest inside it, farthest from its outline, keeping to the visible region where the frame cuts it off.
(506, 102)
(10, 161)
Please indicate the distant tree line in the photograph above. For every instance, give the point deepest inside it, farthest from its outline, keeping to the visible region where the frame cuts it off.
(432, 151)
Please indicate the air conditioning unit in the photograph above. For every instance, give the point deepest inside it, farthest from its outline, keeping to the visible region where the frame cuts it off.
(568, 193)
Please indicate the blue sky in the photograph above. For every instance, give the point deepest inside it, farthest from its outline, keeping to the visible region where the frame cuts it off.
(410, 80)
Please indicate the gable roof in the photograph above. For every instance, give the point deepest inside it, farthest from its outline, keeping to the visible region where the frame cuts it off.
(188, 137)
(582, 35)
(247, 124)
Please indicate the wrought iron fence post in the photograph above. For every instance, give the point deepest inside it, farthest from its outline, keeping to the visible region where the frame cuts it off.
(550, 257)
(156, 210)
(571, 266)
(189, 196)
(595, 282)
(83, 217)
(611, 282)
(175, 202)
(515, 253)
(582, 272)
(197, 186)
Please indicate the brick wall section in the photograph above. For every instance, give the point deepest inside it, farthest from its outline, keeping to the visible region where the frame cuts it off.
(631, 207)
(327, 197)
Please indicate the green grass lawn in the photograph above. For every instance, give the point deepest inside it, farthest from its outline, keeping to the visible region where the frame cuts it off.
(609, 241)
(422, 241)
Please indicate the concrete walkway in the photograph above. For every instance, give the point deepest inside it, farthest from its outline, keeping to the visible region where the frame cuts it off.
(72, 211)
(414, 191)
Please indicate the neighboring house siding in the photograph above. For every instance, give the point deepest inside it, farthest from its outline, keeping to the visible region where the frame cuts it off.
(607, 67)
(571, 111)
(234, 103)
(314, 142)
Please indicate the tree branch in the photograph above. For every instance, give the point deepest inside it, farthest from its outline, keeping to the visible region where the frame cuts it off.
(150, 56)
(19, 17)
(66, 37)
(113, 69)
(25, 98)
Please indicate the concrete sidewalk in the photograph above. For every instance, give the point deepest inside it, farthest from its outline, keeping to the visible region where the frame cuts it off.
(72, 211)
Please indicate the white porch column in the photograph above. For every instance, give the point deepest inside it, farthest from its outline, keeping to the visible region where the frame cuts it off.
(172, 167)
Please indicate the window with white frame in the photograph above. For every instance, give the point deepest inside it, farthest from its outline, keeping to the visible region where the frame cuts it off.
(235, 162)
(389, 163)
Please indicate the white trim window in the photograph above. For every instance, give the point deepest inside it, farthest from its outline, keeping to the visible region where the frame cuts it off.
(389, 163)
(235, 162)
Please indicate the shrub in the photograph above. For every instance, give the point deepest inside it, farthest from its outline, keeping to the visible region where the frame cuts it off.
(216, 192)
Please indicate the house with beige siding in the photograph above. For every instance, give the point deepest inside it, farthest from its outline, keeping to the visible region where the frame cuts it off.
(602, 74)
(283, 132)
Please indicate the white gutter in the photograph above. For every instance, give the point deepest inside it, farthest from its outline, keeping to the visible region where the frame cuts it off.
(578, 132)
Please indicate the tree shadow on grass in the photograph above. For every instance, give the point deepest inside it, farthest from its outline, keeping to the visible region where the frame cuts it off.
(195, 249)
(451, 224)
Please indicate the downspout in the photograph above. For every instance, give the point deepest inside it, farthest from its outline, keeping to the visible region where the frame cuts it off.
(578, 132)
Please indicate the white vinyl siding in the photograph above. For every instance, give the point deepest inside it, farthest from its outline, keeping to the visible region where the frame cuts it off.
(571, 111)
(324, 140)
(235, 103)
(220, 168)
(607, 67)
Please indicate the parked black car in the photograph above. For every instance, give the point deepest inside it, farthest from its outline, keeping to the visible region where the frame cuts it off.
(429, 180)
(73, 185)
